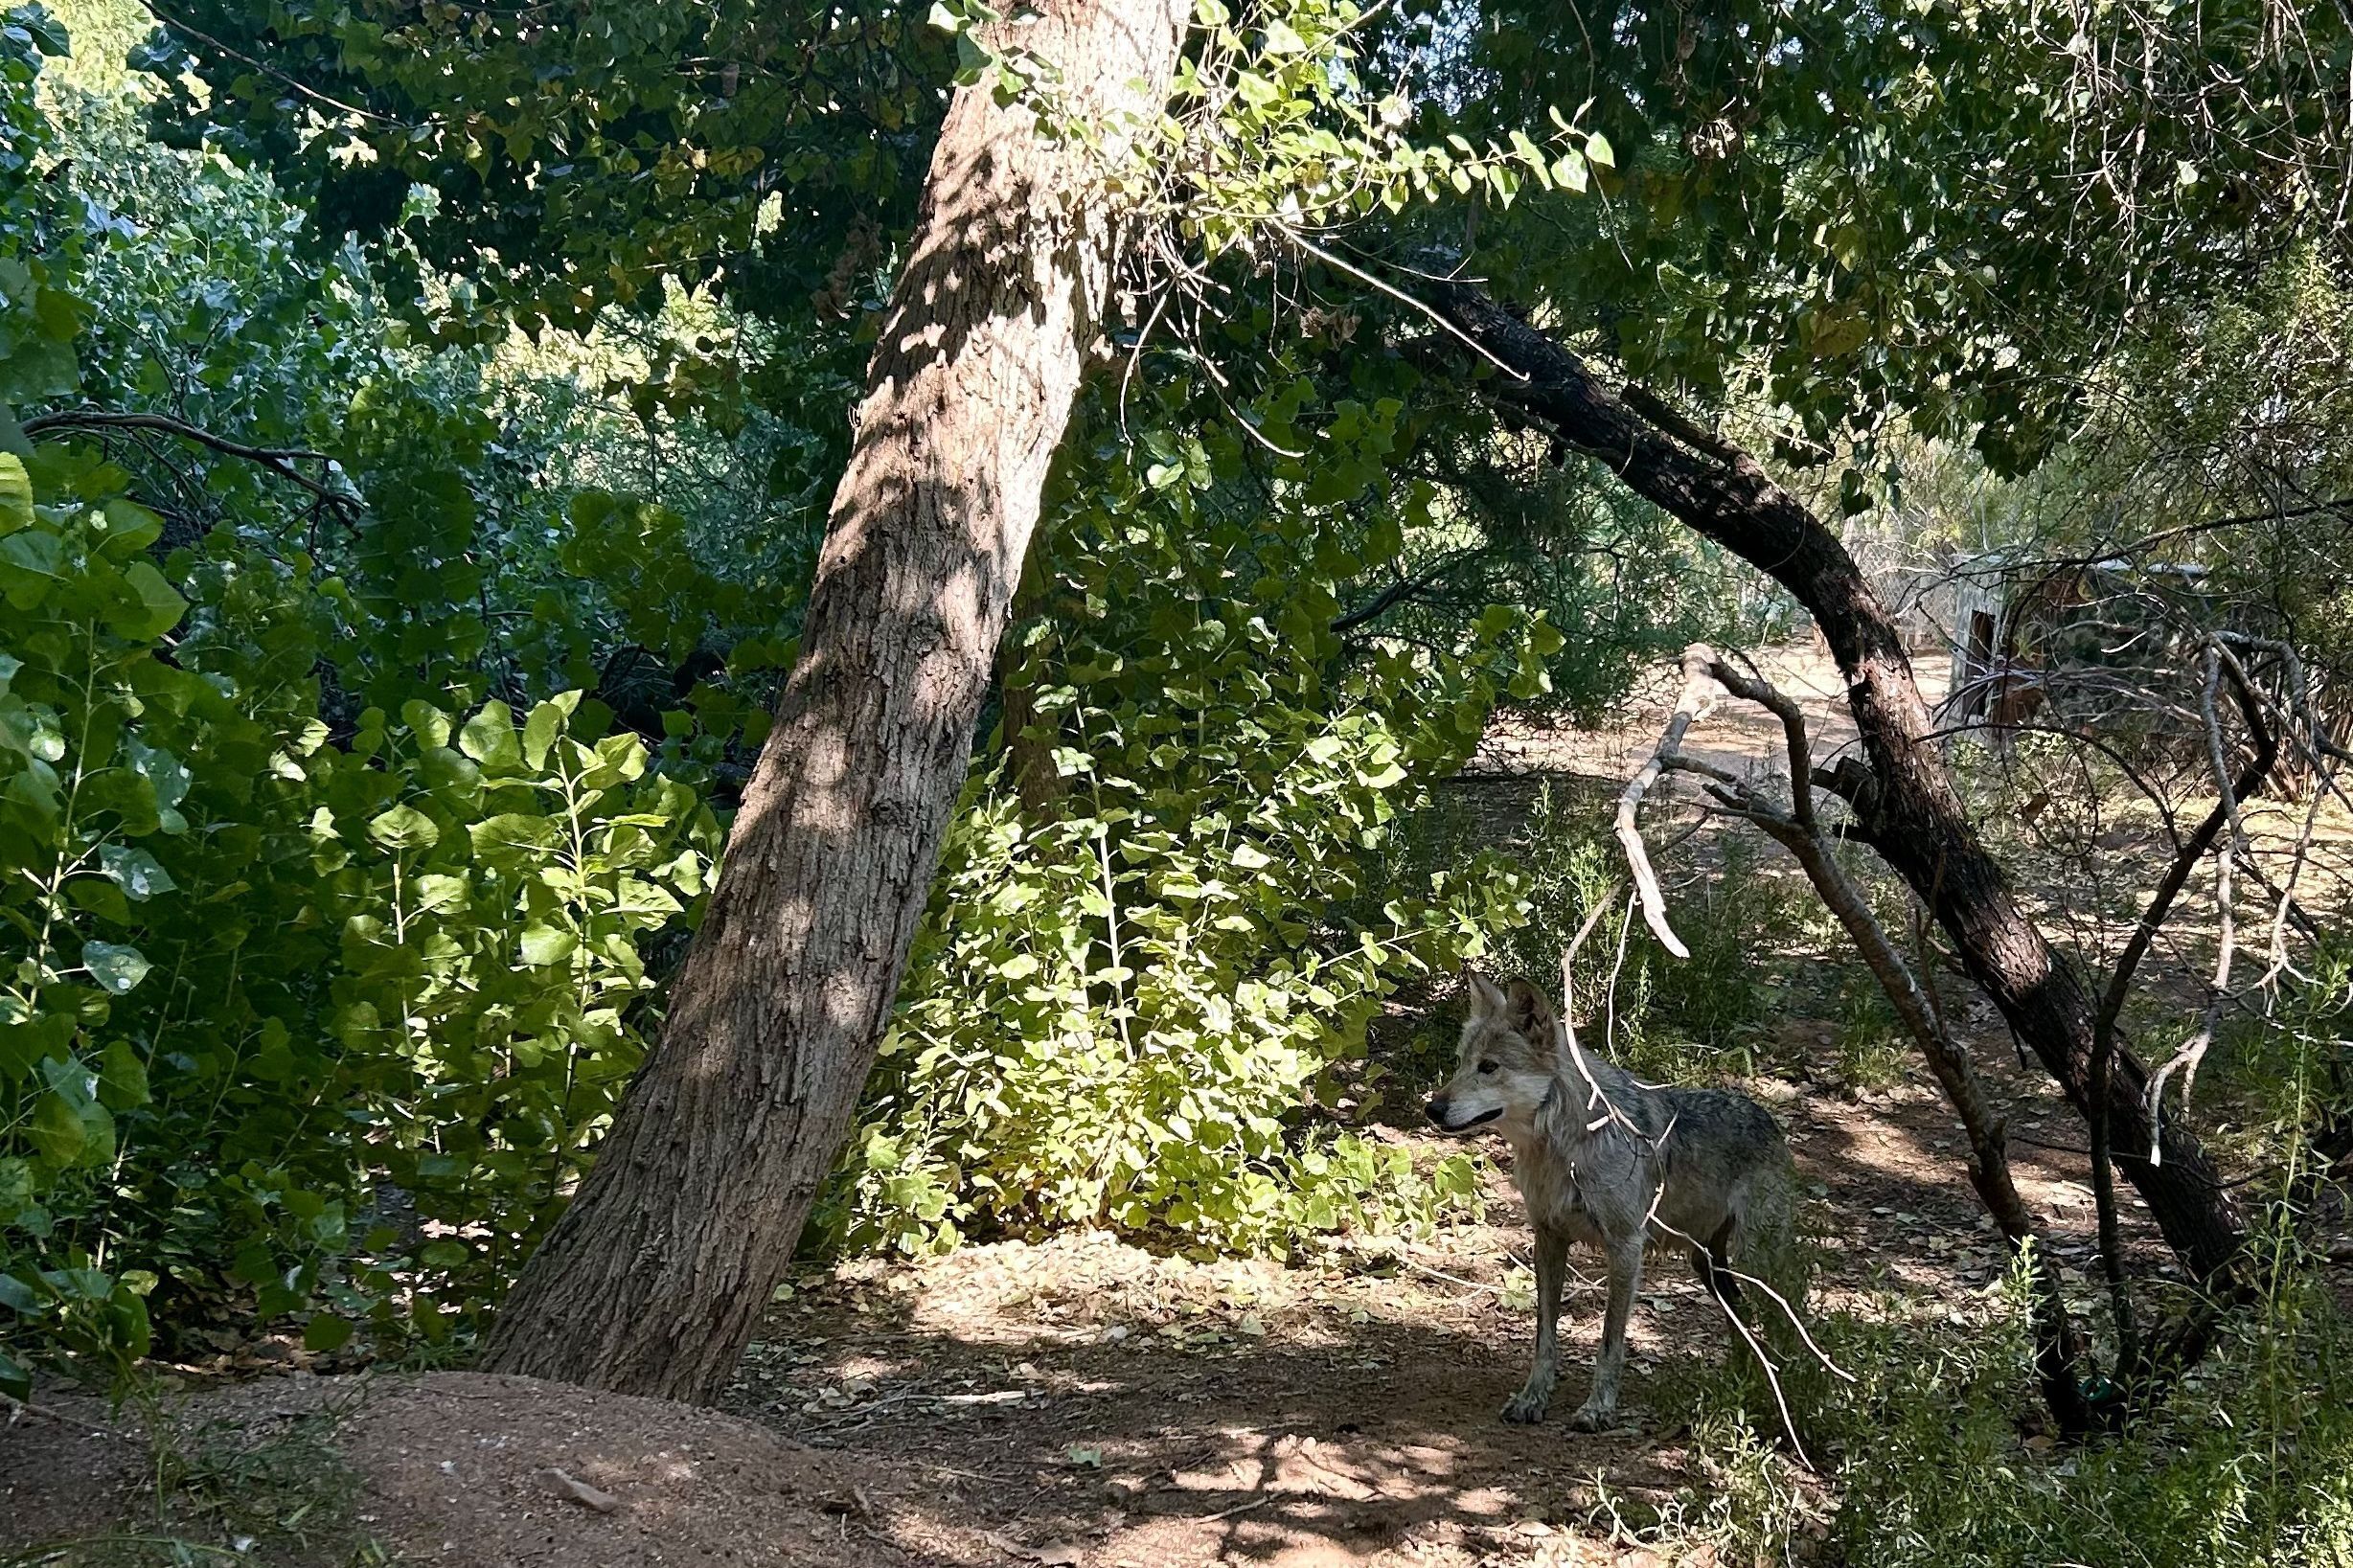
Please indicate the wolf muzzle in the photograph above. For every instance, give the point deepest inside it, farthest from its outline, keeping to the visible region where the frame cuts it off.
(1439, 1111)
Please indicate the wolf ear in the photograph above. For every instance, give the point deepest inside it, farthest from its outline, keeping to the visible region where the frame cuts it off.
(1486, 1002)
(1529, 1012)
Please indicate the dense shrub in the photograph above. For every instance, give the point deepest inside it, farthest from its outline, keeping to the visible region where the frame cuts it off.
(1146, 963)
(257, 972)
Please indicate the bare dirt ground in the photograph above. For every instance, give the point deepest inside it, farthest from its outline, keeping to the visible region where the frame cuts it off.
(1733, 735)
(1088, 1403)
(1083, 1402)
(1099, 1405)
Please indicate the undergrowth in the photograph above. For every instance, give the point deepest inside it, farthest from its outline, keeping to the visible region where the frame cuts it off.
(220, 1492)
(1936, 1455)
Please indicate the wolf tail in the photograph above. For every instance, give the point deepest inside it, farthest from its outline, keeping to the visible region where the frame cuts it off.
(1773, 1252)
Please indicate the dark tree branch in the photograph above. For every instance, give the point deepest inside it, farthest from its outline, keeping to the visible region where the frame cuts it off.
(2060, 1356)
(280, 460)
(1908, 805)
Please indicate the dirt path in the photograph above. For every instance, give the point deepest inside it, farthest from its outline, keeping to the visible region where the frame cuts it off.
(1100, 1405)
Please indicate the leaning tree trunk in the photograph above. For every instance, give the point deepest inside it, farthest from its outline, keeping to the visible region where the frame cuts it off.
(1905, 801)
(655, 1278)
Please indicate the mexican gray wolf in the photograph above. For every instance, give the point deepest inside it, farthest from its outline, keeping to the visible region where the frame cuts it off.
(1610, 1162)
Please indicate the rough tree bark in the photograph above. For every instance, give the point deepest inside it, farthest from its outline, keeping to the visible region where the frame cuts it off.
(655, 1278)
(1906, 803)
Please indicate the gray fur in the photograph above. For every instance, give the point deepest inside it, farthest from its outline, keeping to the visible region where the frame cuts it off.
(1609, 1162)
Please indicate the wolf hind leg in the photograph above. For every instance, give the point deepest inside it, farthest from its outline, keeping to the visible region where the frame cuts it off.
(1766, 1247)
(1763, 1245)
(1713, 1263)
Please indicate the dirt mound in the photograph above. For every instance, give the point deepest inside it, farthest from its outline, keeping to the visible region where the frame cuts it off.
(466, 1468)
(456, 1468)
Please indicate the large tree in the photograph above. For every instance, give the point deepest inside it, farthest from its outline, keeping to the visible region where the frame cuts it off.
(659, 1270)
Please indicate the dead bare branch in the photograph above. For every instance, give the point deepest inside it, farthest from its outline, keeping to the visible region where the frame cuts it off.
(1694, 700)
(2059, 1352)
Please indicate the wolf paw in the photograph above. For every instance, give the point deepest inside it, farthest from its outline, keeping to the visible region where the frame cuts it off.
(1527, 1408)
(1593, 1417)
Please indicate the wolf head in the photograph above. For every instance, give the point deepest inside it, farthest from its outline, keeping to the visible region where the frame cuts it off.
(1503, 1070)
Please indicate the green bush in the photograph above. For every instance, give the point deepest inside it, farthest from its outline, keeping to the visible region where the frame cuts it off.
(1143, 984)
(255, 971)
(2251, 1465)
(1109, 1026)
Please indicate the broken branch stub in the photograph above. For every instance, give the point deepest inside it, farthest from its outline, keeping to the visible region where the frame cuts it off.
(1696, 698)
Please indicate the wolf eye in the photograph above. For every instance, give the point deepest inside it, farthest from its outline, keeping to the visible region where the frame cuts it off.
(1487, 1066)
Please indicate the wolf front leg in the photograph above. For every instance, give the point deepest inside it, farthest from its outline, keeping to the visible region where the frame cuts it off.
(1600, 1406)
(1551, 1269)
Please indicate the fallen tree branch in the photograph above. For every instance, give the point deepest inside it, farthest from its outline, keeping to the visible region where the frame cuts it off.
(2060, 1357)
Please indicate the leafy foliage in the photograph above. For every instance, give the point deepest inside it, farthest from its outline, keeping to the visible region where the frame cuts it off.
(1140, 971)
(593, 156)
(338, 1006)
(1934, 214)
(259, 969)
(305, 1002)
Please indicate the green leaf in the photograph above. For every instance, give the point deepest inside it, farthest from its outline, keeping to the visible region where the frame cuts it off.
(130, 528)
(441, 895)
(135, 871)
(443, 1254)
(15, 1294)
(15, 494)
(118, 970)
(545, 945)
(326, 1333)
(122, 1078)
(57, 1132)
(511, 839)
(166, 774)
(25, 1045)
(1597, 150)
(488, 737)
(405, 828)
(158, 605)
(37, 555)
(545, 723)
(426, 722)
